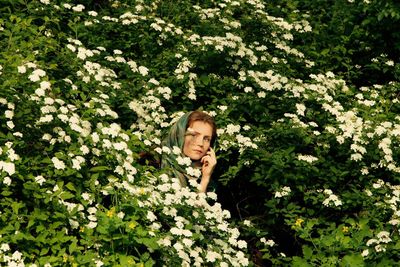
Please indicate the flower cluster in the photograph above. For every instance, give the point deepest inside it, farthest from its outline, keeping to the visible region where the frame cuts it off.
(285, 191)
(11, 259)
(181, 208)
(383, 237)
(307, 158)
(332, 199)
(77, 115)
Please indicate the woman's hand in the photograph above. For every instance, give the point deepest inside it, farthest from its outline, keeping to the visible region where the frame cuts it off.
(208, 164)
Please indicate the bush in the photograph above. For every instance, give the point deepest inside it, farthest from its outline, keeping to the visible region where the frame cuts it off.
(307, 154)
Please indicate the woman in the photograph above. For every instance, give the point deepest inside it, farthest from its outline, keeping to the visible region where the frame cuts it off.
(194, 133)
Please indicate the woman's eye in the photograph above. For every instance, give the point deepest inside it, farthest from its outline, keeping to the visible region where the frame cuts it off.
(207, 139)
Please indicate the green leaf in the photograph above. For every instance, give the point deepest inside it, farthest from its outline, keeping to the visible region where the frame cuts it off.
(355, 260)
(16, 206)
(66, 195)
(300, 262)
(70, 186)
(99, 169)
(150, 242)
(307, 252)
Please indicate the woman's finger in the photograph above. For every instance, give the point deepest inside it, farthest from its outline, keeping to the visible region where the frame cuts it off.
(205, 158)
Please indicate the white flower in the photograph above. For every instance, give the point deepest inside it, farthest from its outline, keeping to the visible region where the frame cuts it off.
(8, 167)
(21, 69)
(176, 231)
(143, 70)
(45, 85)
(71, 47)
(46, 118)
(270, 243)
(261, 94)
(17, 255)
(365, 253)
(242, 244)
(248, 89)
(95, 137)
(371, 241)
(212, 256)
(120, 146)
(178, 246)
(98, 263)
(91, 224)
(307, 158)
(166, 149)
(193, 172)
(389, 63)
(187, 242)
(284, 191)
(30, 65)
(150, 216)
(383, 236)
(85, 150)
(39, 92)
(7, 181)
(36, 74)
(213, 196)
(356, 157)
(40, 179)
(246, 127)
(223, 108)
(4, 247)
(184, 161)
(164, 242)
(332, 198)
(364, 171)
(92, 210)
(376, 185)
(176, 150)
(380, 248)
(231, 129)
(10, 124)
(58, 164)
(78, 8)
(328, 191)
(192, 96)
(300, 109)
(76, 163)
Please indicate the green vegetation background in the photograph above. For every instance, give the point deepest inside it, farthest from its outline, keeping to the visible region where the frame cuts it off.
(305, 94)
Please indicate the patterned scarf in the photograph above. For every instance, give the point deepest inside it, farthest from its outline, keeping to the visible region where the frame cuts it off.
(176, 137)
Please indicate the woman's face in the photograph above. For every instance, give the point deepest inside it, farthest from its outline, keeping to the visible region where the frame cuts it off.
(197, 140)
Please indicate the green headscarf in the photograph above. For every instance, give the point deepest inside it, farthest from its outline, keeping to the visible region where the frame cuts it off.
(176, 137)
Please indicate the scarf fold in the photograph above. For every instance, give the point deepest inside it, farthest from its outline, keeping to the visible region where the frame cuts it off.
(176, 137)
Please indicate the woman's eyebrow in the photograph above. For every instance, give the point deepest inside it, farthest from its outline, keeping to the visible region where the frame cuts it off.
(192, 130)
(196, 132)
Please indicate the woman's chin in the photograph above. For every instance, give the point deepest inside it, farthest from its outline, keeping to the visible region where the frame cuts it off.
(195, 156)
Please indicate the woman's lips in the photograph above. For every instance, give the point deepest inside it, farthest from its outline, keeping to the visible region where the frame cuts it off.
(197, 151)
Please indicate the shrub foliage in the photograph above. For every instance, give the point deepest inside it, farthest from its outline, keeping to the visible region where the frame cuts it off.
(304, 96)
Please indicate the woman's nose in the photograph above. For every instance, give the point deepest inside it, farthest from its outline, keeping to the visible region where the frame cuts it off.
(198, 141)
